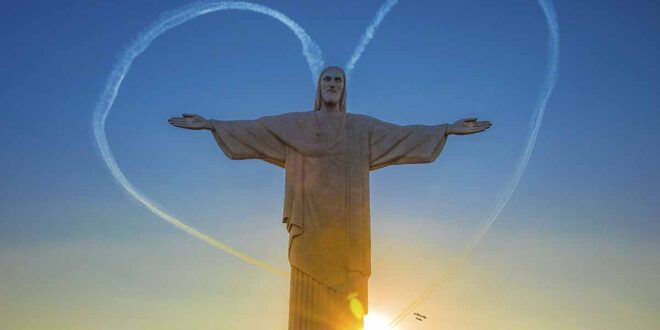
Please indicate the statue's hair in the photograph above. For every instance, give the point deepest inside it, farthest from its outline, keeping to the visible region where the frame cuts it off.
(319, 98)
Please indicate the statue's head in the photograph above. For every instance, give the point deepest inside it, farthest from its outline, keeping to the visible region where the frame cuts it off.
(331, 88)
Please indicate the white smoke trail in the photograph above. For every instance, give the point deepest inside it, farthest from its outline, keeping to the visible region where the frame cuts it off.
(310, 50)
(551, 74)
(369, 34)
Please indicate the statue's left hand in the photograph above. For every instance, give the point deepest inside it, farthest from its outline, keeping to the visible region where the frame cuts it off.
(190, 121)
(468, 126)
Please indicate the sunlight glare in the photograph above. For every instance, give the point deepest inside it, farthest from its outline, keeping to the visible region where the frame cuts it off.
(375, 321)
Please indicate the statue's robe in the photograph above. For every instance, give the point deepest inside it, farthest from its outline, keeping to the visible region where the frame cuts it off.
(327, 158)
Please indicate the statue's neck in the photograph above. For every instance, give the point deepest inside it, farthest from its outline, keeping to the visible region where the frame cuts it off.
(330, 107)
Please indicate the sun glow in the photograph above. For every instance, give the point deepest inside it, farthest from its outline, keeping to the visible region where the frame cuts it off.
(375, 321)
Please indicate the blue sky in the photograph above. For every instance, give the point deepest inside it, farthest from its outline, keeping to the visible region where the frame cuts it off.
(593, 174)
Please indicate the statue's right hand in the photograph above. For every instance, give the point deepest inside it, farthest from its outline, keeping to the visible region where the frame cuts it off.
(190, 121)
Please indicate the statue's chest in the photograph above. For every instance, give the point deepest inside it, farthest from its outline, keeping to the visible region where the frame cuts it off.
(323, 135)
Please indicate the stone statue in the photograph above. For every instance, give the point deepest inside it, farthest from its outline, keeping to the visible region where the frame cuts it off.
(327, 154)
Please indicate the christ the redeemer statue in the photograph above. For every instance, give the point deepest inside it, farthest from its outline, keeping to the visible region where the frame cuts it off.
(327, 154)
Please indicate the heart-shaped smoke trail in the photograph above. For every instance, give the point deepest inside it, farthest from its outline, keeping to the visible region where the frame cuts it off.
(314, 59)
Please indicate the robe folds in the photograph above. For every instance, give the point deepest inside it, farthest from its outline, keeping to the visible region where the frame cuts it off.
(327, 158)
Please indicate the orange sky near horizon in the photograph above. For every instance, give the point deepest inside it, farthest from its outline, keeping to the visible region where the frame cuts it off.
(515, 280)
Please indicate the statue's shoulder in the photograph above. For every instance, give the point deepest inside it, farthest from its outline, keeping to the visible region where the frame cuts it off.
(361, 119)
(287, 115)
(291, 115)
(287, 119)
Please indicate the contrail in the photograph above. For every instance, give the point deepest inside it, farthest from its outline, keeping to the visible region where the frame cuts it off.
(310, 50)
(369, 34)
(551, 74)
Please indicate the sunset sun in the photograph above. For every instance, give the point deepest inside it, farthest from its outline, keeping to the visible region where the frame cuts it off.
(375, 321)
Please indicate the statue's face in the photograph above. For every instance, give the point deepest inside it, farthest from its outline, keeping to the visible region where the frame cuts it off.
(332, 85)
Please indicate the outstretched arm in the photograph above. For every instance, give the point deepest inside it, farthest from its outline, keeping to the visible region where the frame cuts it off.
(468, 126)
(395, 145)
(191, 121)
(238, 139)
